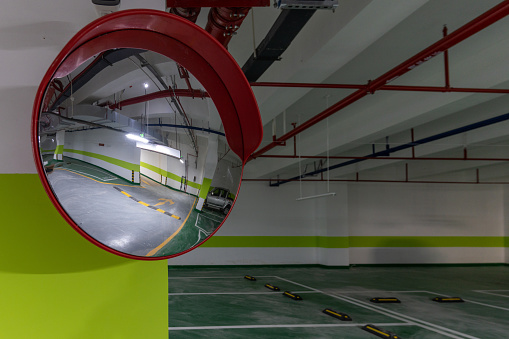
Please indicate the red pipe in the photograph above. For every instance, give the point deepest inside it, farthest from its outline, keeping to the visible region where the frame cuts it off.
(189, 13)
(446, 61)
(377, 158)
(384, 88)
(224, 22)
(196, 93)
(484, 20)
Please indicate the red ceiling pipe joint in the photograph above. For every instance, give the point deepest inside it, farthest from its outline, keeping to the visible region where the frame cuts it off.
(484, 20)
(224, 22)
(189, 13)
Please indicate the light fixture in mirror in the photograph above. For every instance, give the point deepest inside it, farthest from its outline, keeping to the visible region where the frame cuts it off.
(132, 147)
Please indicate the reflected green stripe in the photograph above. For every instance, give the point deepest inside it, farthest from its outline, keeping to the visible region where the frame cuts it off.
(345, 242)
(117, 162)
(167, 174)
(205, 188)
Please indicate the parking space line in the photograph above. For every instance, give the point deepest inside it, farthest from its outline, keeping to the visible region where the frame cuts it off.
(225, 277)
(236, 293)
(491, 293)
(280, 326)
(85, 176)
(421, 323)
(473, 302)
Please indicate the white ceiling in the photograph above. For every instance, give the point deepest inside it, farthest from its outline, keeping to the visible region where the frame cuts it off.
(360, 41)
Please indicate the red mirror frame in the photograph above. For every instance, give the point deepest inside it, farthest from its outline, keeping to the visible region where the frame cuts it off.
(177, 39)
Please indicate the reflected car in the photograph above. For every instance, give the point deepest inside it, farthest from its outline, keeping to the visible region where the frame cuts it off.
(219, 199)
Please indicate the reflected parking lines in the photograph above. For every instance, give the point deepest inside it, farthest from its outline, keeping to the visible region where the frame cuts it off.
(147, 205)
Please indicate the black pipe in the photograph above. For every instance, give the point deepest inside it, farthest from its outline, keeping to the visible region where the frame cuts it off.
(189, 127)
(386, 152)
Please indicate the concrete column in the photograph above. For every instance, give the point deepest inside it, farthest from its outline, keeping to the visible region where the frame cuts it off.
(59, 150)
(209, 169)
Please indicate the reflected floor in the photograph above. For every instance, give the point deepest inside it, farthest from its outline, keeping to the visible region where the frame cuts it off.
(148, 219)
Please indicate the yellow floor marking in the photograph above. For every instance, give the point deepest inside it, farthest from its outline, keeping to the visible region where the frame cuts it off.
(143, 203)
(104, 183)
(125, 193)
(176, 217)
(160, 210)
(154, 251)
(164, 201)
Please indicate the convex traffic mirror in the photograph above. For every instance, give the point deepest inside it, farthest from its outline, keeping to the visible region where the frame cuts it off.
(140, 134)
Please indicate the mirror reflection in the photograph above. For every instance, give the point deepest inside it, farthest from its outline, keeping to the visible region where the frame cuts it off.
(135, 152)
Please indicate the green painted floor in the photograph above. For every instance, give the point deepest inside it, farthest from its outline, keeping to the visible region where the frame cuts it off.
(219, 303)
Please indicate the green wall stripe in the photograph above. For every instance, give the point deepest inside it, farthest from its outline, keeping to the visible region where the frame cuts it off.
(205, 188)
(427, 241)
(167, 174)
(117, 162)
(345, 242)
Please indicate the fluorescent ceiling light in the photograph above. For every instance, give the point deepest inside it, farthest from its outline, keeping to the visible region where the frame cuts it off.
(182, 161)
(160, 149)
(146, 85)
(137, 138)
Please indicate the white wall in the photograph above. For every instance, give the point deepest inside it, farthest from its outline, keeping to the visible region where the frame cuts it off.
(358, 214)
(116, 146)
(263, 213)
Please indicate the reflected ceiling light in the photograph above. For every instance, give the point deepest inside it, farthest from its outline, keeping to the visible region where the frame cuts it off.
(137, 138)
(145, 85)
(160, 149)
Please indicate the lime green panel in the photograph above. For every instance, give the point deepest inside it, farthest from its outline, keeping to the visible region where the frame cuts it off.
(58, 285)
(59, 149)
(506, 241)
(205, 186)
(117, 162)
(168, 174)
(426, 241)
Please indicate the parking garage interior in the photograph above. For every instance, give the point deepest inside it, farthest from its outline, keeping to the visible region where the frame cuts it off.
(382, 173)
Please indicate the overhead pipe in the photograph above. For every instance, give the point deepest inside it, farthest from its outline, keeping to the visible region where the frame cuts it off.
(194, 93)
(208, 130)
(463, 129)
(381, 158)
(484, 20)
(389, 181)
(284, 30)
(223, 22)
(189, 13)
(102, 61)
(384, 88)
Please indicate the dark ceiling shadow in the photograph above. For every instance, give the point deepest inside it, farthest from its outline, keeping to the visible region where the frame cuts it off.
(42, 34)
